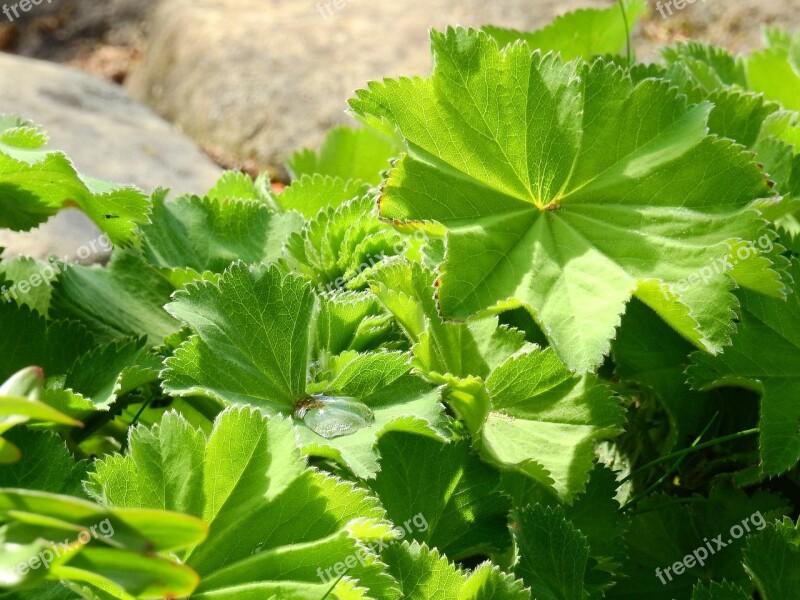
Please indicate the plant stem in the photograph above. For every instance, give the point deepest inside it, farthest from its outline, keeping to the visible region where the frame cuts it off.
(672, 469)
(144, 406)
(691, 449)
(627, 31)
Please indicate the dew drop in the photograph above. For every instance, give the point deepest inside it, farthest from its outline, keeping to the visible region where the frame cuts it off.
(333, 416)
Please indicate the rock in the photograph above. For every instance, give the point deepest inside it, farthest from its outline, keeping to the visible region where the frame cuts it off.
(107, 135)
(258, 79)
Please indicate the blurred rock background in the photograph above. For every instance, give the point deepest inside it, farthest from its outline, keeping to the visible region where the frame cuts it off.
(249, 81)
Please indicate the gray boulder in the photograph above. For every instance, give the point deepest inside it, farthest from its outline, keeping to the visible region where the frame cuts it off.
(258, 79)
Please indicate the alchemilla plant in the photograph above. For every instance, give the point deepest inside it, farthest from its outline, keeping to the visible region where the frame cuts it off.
(532, 331)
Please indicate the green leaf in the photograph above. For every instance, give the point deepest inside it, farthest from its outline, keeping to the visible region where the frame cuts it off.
(251, 347)
(663, 532)
(705, 72)
(46, 464)
(719, 591)
(568, 196)
(14, 410)
(579, 34)
(597, 515)
(775, 71)
(466, 350)
(449, 490)
(29, 339)
(339, 247)
(350, 321)
(545, 421)
(274, 523)
(251, 339)
(553, 554)
(114, 547)
(26, 384)
(352, 373)
(311, 194)
(441, 348)
(785, 126)
(740, 116)
(19, 403)
(406, 290)
(772, 560)
(36, 183)
(204, 234)
(595, 512)
(110, 371)
(649, 353)
(359, 154)
(11, 556)
(783, 41)
(50, 590)
(35, 514)
(128, 575)
(764, 358)
(233, 186)
(407, 404)
(30, 282)
(707, 67)
(125, 299)
(423, 574)
(459, 356)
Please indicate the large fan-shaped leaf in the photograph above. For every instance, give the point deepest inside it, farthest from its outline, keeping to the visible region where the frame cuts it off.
(568, 189)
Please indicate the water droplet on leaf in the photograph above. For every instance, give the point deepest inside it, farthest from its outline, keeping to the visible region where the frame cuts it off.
(333, 416)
